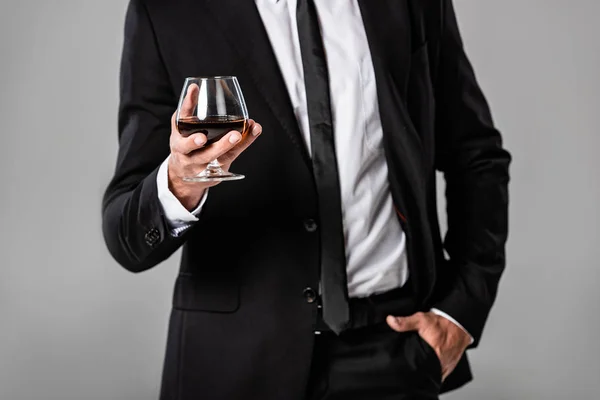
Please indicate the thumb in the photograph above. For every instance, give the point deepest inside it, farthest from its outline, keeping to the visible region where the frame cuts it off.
(404, 324)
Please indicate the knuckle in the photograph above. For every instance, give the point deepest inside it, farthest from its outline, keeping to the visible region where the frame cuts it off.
(219, 149)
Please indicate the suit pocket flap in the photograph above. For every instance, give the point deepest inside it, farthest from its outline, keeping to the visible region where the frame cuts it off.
(193, 293)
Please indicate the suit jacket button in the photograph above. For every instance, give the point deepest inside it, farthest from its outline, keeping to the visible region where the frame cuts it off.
(152, 237)
(310, 225)
(310, 295)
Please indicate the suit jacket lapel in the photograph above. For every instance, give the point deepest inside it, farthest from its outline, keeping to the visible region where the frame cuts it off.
(242, 25)
(388, 28)
(389, 32)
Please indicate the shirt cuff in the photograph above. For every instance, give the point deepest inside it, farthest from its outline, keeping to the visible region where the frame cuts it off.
(178, 217)
(455, 322)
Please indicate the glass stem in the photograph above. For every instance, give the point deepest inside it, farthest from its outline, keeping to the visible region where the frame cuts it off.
(213, 169)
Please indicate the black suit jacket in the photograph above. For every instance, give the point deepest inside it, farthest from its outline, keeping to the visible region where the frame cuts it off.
(240, 326)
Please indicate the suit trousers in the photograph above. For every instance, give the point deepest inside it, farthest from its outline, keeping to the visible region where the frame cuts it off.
(373, 363)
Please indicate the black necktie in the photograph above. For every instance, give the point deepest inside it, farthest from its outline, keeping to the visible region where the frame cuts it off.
(334, 288)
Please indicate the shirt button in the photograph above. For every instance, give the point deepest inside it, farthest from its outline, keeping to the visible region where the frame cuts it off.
(310, 225)
(310, 295)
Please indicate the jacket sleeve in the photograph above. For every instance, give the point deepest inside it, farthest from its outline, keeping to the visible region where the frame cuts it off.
(134, 227)
(470, 154)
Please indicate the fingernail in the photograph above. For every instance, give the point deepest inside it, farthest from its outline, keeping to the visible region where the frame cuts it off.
(234, 138)
(199, 141)
(255, 130)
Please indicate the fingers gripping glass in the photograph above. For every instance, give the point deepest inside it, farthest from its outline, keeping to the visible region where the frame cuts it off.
(213, 106)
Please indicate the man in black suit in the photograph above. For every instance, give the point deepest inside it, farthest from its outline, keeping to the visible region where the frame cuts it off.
(322, 274)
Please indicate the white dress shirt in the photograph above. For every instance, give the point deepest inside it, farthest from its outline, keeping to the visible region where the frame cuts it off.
(374, 240)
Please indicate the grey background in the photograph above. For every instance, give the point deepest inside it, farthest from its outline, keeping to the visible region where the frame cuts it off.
(73, 325)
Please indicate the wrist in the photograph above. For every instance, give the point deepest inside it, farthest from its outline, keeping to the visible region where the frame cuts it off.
(188, 194)
(458, 334)
(188, 198)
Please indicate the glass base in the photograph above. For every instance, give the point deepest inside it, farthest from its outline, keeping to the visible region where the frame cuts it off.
(221, 178)
(214, 173)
